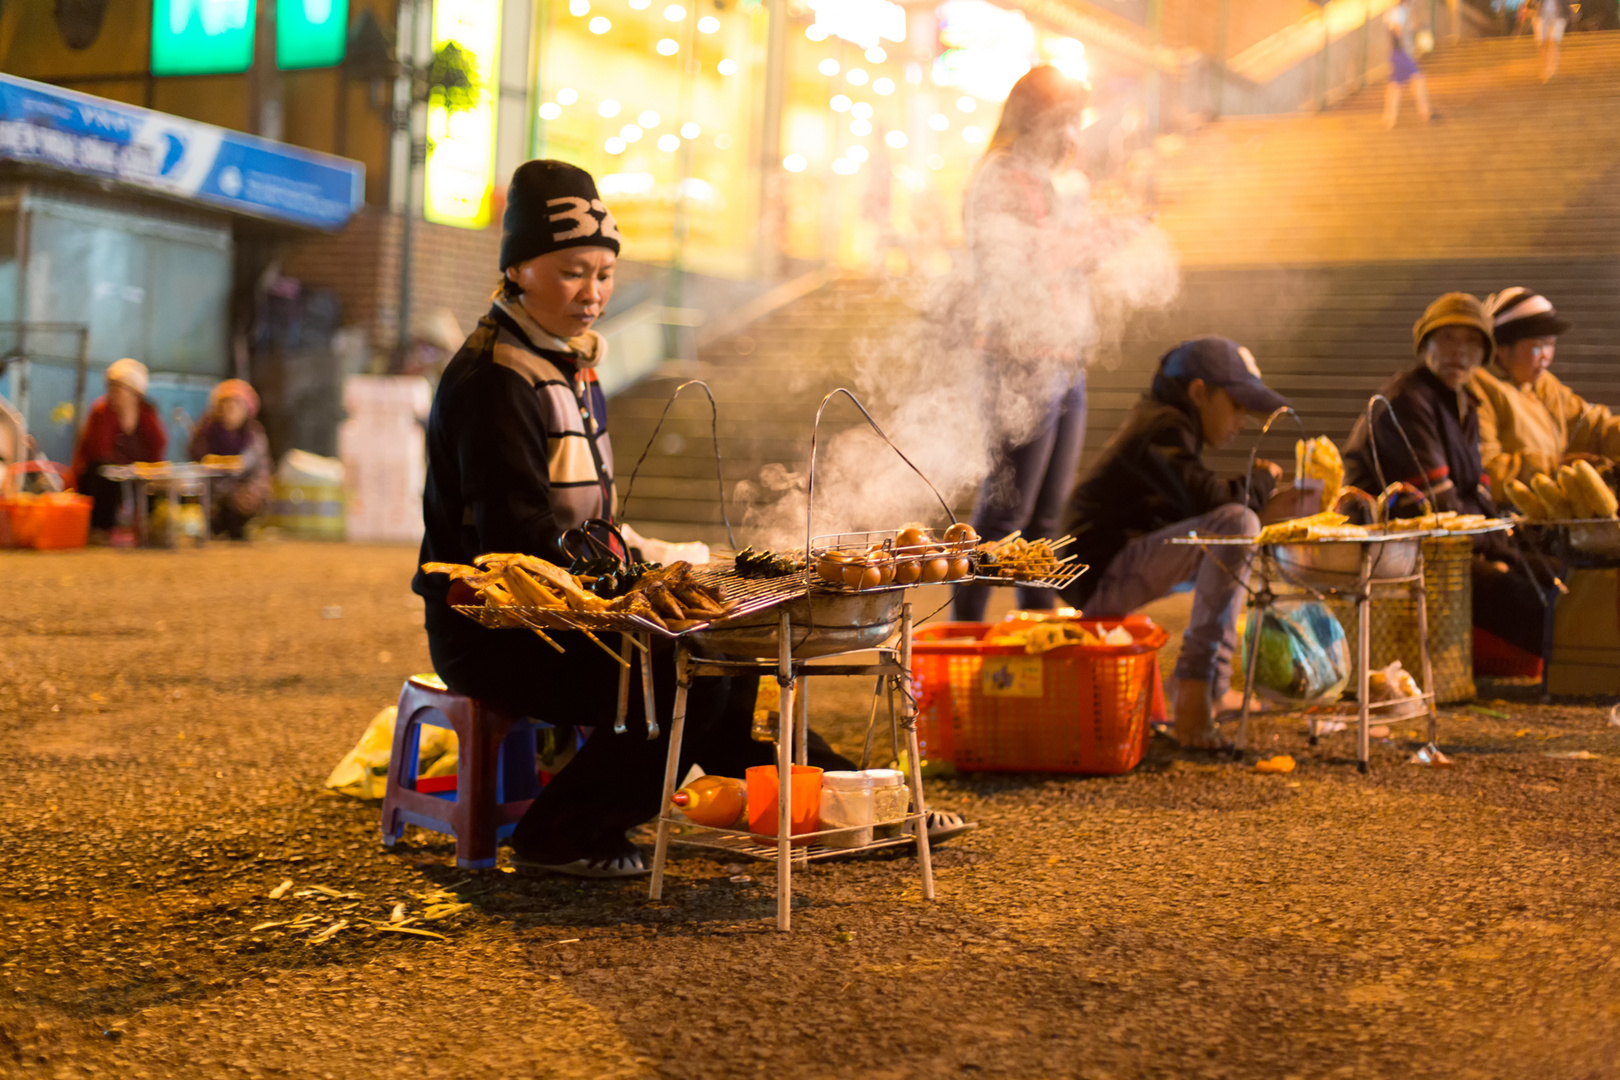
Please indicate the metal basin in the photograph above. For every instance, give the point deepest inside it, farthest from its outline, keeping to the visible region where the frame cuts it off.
(822, 624)
(1338, 565)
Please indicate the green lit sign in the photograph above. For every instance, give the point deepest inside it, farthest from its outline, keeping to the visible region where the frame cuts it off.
(202, 37)
(310, 33)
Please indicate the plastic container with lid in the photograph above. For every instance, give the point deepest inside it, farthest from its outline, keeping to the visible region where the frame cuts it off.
(890, 802)
(846, 805)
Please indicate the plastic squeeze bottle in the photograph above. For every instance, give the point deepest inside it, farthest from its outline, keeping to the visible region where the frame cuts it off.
(717, 801)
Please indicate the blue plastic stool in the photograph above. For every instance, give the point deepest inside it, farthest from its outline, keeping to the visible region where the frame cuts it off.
(497, 771)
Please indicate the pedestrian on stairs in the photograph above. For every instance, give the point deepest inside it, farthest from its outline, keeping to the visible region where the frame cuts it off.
(1403, 68)
(1551, 20)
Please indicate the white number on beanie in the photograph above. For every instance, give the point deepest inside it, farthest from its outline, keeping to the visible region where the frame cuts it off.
(580, 212)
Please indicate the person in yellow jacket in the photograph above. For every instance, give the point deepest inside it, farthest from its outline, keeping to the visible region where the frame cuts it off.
(1529, 421)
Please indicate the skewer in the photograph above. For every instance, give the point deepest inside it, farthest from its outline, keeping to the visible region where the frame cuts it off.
(600, 644)
(545, 638)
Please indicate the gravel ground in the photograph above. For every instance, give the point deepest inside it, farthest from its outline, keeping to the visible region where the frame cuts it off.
(171, 716)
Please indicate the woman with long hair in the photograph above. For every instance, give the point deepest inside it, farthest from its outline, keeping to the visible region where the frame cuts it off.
(1032, 248)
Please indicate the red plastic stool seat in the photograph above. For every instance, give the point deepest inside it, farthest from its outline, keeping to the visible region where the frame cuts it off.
(496, 772)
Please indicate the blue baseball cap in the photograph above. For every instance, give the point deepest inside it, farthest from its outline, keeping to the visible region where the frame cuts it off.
(1223, 362)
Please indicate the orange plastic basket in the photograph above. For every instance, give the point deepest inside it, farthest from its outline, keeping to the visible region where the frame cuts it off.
(1074, 709)
(59, 521)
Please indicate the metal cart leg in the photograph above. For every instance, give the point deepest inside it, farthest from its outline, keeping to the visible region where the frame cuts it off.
(1258, 608)
(913, 754)
(784, 779)
(672, 765)
(871, 721)
(647, 699)
(801, 737)
(894, 721)
(1423, 646)
(1363, 658)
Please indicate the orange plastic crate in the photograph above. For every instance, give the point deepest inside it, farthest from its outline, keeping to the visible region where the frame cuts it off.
(60, 521)
(1075, 709)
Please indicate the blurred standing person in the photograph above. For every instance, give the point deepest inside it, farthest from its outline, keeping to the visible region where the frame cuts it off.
(122, 428)
(1550, 20)
(230, 428)
(1032, 251)
(1403, 68)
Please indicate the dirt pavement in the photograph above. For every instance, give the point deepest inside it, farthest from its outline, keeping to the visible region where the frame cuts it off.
(169, 718)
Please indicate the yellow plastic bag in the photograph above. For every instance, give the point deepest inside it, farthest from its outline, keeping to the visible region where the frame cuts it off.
(363, 772)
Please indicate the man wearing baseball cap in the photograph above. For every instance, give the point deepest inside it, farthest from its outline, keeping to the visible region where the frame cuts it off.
(1151, 484)
(1529, 421)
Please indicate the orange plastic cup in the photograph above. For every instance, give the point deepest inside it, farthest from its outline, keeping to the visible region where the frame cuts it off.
(804, 805)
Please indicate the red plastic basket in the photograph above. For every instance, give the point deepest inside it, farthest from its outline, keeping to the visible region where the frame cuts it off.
(60, 521)
(1074, 709)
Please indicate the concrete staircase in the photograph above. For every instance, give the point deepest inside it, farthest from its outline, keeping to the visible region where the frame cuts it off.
(1317, 240)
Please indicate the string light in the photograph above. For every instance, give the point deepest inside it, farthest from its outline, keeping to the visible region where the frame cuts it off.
(708, 24)
(794, 163)
(649, 119)
(722, 141)
(815, 32)
(690, 130)
(550, 111)
(896, 139)
(966, 104)
(883, 87)
(614, 145)
(669, 143)
(578, 8)
(856, 77)
(839, 103)
(640, 5)
(939, 121)
(876, 55)
(600, 25)
(567, 96)
(609, 108)
(856, 153)
(973, 134)
(667, 47)
(844, 167)
(862, 110)
(860, 128)
(727, 66)
(674, 13)
(630, 133)
(828, 67)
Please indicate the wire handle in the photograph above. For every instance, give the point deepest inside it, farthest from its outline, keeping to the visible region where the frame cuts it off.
(810, 485)
(1254, 451)
(1372, 445)
(714, 427)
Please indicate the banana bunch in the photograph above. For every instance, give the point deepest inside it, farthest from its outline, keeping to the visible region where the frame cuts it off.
(1318, 459)
(1577, 491)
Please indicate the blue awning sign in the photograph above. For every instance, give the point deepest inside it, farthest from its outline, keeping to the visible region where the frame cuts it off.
(229, 170)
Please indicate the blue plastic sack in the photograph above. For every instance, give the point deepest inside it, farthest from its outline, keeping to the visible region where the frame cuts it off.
(1304, 657)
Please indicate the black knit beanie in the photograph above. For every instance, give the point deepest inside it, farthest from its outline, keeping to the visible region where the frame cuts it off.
(551, 205)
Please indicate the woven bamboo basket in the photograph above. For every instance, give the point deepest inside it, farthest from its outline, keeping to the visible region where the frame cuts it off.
(1448, 582)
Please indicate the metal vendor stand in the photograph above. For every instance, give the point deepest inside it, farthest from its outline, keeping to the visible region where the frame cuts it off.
(176, 480)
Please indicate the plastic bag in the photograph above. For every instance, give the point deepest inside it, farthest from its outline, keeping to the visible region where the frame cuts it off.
(1304, 657)
(363, 772)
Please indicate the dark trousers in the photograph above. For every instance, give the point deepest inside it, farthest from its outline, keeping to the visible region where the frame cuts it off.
(228, 520)
(615, 782)
(1026, 490)
(109, 496)
(1510, 606)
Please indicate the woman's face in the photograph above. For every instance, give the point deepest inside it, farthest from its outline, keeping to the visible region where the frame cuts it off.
(1526, 359)
(122, 398)
(1452, 353)
(1055, 132)
(565, 291)
(232, 413)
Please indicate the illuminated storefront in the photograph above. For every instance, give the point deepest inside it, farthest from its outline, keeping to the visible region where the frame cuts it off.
(885, 111)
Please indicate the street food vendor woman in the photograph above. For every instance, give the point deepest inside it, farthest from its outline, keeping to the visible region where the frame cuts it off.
(1439, 413)
(518, 453)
